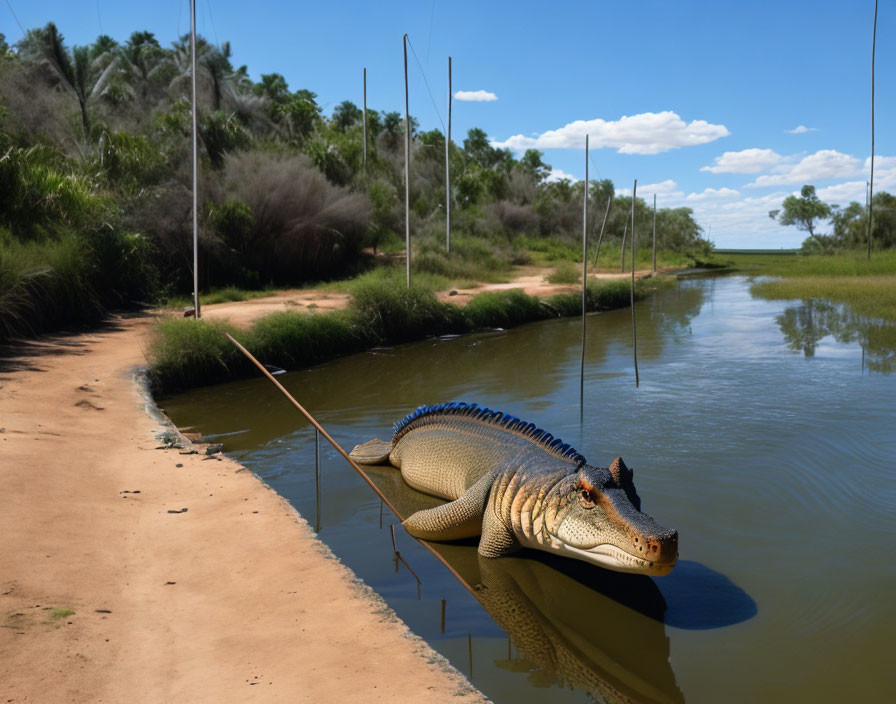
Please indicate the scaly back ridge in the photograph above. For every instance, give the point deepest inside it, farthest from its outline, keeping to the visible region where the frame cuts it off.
(487, 416)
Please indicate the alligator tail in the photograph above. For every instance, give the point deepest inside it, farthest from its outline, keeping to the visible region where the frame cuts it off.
(372, 452)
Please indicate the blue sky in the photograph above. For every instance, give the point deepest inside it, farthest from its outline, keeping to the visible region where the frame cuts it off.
(719, 106)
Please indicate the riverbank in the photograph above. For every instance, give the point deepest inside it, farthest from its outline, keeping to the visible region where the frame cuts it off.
(132, 570)
(379, 310)
(867, 287)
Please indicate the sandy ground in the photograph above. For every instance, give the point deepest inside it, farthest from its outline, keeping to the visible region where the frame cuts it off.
(130, 573)
(529, 279)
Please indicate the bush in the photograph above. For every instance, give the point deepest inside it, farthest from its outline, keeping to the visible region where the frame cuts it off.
(391, 314)
(565, 273)
(184, 353)
(503, 309)
(304, 228)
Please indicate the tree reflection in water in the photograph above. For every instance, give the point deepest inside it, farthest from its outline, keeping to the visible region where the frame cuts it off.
(807, 324)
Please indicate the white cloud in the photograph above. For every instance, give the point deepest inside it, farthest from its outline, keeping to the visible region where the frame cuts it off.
(744, 222)
(746, 161)
(843, 193)
(645, 133)
(711, 193)
(823, 164)
(801, 129)
(667, 188)
(475, 96)
(559, 175)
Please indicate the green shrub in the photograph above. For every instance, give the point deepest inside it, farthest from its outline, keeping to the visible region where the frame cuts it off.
(391, 314)
(293, 339)
(184, 352)
(565, 273)
(503, 309)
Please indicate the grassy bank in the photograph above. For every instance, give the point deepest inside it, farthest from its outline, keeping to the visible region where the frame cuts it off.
(867, 287)
(186, 353)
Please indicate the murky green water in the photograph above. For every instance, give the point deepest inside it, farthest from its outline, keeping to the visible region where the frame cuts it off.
(762, 431)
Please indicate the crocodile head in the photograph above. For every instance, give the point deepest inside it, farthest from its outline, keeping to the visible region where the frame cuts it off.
(598, 519)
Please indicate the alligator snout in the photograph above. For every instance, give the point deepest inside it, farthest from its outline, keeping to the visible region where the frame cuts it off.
(659, 548)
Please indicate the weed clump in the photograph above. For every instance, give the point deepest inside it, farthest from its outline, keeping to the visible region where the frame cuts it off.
(503, 309)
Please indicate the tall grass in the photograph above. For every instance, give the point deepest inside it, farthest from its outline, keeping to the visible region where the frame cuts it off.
(870, 296)
(852, 263)
(45, 285)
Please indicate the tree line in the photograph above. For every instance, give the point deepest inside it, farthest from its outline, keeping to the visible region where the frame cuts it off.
(95, 157)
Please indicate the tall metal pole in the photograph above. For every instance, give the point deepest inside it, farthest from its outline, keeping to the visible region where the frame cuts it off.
(871, 182)
(634, 328)
(196, 310)
(448, 168)
(584, 283)
(654, 233)
(364, 112)
(407, 167)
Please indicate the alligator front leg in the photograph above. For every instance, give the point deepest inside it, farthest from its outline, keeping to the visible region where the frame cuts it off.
(497, 536)
(461, 518)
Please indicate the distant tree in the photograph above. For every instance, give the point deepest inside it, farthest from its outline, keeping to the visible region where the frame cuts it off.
(804, 212)
(143, 59)
(346, 114)
(533, 164)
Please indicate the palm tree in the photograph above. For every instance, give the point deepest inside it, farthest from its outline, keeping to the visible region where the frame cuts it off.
(85, 71)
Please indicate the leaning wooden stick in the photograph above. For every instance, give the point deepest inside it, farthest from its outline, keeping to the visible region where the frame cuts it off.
(313, 422)
(342, 452)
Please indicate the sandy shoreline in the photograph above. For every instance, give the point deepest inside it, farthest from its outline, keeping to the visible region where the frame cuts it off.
(232, 600)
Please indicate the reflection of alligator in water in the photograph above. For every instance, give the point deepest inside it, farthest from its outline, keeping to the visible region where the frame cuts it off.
(571, 635)
(573, 624)
(804, 326)
(518, 486)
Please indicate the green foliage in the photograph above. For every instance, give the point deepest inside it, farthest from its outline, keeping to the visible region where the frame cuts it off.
(221, 133)
(129, 162)
(503, 309)
(296, 339)
(39, 190)
(803, 212)
(393, 314)
(184, 352)
(566, 273)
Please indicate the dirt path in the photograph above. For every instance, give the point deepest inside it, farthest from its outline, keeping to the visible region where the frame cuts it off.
(135, 574)
(529, 279)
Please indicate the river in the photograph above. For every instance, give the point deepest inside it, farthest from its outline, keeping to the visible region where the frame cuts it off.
(764, 431)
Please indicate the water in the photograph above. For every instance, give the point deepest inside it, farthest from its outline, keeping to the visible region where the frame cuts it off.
(762, 431)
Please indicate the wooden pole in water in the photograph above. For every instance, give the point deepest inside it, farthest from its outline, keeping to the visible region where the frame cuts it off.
(407, 166)
(634, 328)
(624, 231)
(196, 311)
(364, 113)
(654, 233)
(871, 182)
(584, 284)
(602, 225)
(342, 452)
(448, 168)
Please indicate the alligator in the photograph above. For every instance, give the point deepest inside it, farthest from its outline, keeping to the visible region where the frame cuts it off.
(517, 486)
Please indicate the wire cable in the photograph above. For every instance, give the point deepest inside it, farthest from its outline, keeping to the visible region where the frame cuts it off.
(15, 17)
(212, 20)
(435, 107)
